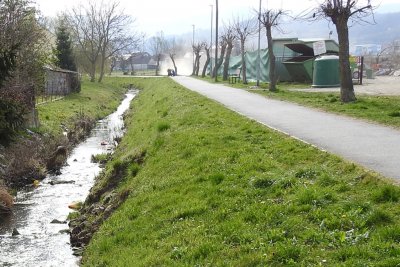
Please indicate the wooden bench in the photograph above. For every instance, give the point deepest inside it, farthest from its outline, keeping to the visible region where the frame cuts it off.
(233, 78)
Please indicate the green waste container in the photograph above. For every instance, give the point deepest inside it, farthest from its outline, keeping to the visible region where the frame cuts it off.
(326, 71)
(368, 72)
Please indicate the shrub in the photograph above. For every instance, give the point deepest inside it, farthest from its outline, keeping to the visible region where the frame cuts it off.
(11, 119)
(388, 193)
(163, 126)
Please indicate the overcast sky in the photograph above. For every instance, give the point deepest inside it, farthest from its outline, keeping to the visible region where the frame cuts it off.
(177, 16)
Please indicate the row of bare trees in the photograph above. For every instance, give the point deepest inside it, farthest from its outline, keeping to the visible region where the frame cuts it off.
(239, 30)
(339, 12)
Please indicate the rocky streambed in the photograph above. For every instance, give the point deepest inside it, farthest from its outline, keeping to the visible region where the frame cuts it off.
(36, 233)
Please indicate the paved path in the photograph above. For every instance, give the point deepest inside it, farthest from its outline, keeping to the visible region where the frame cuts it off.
(372, 146)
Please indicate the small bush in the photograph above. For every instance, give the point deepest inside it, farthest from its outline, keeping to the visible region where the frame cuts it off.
(263, 182)
(391, 233)
(306, 174)
(133, 169)
(394, 114)
(286, 254)
(73, 215)
(11, 119)
(101, 158)
(326, 180)
(216, 178)
(163, 126)
(378, 217)
(388, 193)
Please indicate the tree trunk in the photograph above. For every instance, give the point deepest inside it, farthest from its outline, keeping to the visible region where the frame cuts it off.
(203, 74)
(220, 60)
(173, 62)
(101, 72)
(92, 73)
(158, 64)
(272, 63)
(194, 67)
(132, 67)
(226, 62)
(346, 80)
(197, 64)
(102, 66)
(113, 63)
(244, 75)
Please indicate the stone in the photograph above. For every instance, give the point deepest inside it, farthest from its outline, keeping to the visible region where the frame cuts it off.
(61, 182)
(15, 232)
(75, 205)
(55, 221)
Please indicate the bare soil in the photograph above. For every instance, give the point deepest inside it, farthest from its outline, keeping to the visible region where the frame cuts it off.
(380, 85)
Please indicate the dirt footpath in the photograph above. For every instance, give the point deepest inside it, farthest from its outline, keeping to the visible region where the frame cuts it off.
(380, 85)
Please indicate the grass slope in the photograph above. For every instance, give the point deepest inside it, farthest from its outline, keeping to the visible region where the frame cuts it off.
(95, 100)
(217, 189)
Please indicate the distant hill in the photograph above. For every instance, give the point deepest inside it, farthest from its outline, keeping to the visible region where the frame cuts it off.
(385, 30)
(380, 29)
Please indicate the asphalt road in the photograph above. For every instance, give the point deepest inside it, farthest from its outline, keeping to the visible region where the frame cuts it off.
(372, 146)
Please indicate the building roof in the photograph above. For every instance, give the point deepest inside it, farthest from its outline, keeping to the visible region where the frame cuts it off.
(140, 58)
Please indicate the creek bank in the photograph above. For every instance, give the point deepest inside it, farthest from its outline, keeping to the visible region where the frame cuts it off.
(103, 199)
(40, 213)
(31, 157)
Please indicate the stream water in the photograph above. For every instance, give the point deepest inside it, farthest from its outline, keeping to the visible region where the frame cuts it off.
(42, 243)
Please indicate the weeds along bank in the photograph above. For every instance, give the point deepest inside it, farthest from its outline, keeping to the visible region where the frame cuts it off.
(62, 124)
(193, 183)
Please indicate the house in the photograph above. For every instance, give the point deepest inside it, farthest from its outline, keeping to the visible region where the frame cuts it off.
(133, 62)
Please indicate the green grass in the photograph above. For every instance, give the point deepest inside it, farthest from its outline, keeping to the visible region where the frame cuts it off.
(379, 109)
(95, 100)
(217, 189)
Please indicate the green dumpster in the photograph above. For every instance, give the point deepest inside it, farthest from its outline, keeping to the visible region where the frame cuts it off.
(369, 74)
(326, 71)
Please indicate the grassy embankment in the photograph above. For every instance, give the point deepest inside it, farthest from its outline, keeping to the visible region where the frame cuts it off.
(217, 189)
(380, 109)
(95, 101)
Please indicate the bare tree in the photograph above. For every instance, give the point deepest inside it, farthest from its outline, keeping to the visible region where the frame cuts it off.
(207, 48)
(173, 48)
(101, 30)
(244, 28)
(223, 45)
(157, 46)
(114, 26)
(229, 37)
(197, 50)
(83, 22)
(270, 20)
(340, 12)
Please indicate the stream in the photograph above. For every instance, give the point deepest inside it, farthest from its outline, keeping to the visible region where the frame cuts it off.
(41, 242)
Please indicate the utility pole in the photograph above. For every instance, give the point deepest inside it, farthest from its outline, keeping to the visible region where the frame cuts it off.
(259, 44)
(216, 41)
(193, 49)
(211, 40)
